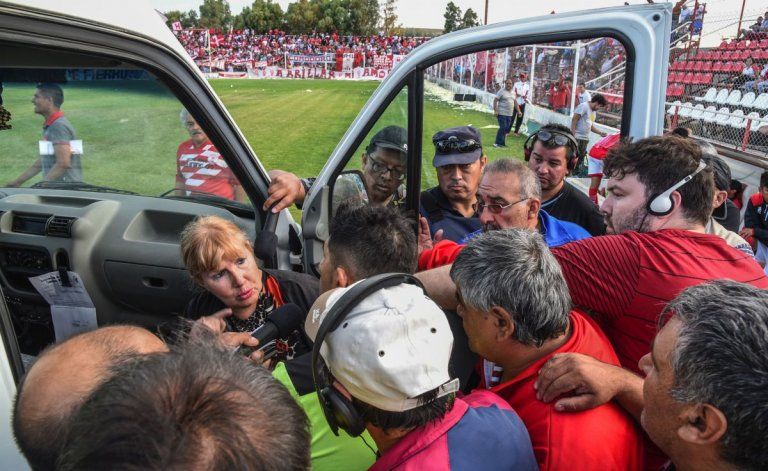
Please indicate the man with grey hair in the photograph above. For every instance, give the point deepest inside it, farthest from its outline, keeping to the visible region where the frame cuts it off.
(197, 407)
(509, 196)
(516, 310)
(200, 168)
(706, 383)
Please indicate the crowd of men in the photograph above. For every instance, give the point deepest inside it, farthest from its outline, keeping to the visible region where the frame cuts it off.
(516, 328)
(271, 47)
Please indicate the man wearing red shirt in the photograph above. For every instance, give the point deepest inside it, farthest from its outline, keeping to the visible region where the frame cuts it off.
(516, 312)
(200, 167)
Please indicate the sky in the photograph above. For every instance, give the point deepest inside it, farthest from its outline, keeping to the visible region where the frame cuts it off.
(721, 19)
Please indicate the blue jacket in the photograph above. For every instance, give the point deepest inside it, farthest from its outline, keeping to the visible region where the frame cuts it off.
(554, 231)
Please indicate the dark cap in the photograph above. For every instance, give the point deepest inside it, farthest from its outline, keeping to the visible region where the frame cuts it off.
(390, 137)
(454, 157)
(722, 174)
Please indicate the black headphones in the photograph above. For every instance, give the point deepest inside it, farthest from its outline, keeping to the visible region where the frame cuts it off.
(571, 159)
(339, 411)
(661, 204)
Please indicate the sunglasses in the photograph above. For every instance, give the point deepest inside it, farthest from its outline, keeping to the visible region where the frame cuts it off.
(453, 143)
(494, 208)
(546, 136)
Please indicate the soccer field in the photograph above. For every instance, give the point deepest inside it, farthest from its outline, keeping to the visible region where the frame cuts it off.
(130, 137)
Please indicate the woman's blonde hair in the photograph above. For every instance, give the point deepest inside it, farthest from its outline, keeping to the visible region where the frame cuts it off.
(208, 240)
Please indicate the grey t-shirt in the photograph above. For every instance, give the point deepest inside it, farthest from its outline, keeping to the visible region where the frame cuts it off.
(506, 104)
(584, 124)
(61, 131)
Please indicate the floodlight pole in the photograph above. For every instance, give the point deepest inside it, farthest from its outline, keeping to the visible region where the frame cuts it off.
(741, 16)
(486, 11)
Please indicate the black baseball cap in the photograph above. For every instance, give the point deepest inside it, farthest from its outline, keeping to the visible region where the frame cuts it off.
(454, 157)
(390, 137)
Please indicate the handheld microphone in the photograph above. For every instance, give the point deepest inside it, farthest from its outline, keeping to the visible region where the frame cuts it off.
(279, 324)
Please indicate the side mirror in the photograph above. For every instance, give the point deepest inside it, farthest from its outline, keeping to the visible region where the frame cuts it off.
(349, 188)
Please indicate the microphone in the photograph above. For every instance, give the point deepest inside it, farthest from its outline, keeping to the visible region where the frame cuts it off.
(279, 324)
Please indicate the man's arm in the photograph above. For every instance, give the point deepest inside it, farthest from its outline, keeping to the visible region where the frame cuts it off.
(439, 286)
(598, 132)
(574, 121)
(63, 163)
(284, 190)
(496, 106)
(33, 170)
(588, 383)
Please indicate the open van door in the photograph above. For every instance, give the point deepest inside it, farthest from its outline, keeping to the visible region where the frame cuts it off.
(472, 62)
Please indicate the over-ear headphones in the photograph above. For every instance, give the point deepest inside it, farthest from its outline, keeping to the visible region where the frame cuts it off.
(339, 411)
(572, 157)
(662, 204)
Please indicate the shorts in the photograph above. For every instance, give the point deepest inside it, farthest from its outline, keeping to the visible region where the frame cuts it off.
(594, 167)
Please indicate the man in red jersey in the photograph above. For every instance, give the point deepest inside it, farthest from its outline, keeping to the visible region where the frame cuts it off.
(516, 311)
(200, 168)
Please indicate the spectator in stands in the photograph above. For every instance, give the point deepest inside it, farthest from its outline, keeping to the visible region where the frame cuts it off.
(60, 156)
(200, 168)
(509, 196)
(449, 207)
(561, 95)
(754, 28)
(61, 380)
(516, 311)
(383, 164)
(408, 403)
(504, 108)
(756, 221)
(582, 123)
(747, 74)
(704, 391)
(196, 407)
(237, 295)
(552, 151)
(760, 83)
(582, 95)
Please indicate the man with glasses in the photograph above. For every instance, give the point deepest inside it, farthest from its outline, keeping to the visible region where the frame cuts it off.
(383, 165)
(509, 196)
(459, 161)
(551, 155)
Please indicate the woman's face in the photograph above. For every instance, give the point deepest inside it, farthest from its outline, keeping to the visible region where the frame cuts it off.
(236, 283)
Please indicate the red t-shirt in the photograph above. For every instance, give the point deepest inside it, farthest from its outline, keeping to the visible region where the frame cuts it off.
(201, 168)
(626, 280)
(605, 437)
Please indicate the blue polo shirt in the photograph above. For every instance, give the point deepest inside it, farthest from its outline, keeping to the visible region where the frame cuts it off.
(554, 231)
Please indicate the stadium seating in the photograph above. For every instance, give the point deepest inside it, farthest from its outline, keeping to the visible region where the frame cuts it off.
(761, 102)
(722, 116)
(747, 100)
(734, 98)
(722, 96)
(697, 111)
(709, 97)
(737, 119)
(685, 110)
(709, 114)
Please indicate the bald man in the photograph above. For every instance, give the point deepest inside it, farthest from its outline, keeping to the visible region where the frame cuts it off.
(62, 378)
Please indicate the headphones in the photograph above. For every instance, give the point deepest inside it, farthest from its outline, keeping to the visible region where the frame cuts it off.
(662, 204)
(339, 411)
(571, 159)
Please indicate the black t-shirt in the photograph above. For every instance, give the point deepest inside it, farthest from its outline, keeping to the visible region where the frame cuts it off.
(297, 288)
(574, 206)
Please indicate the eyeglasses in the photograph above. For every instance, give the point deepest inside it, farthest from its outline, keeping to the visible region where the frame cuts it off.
(453, 143)
(398, 173)
(494, 208)
(546, 136)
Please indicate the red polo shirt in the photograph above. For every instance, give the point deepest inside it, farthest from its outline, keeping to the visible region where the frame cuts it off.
(602, 438)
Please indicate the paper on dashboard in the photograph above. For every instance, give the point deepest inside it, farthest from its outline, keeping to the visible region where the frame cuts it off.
(72, 309)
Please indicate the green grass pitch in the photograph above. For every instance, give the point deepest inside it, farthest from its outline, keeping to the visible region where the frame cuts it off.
(130, 129)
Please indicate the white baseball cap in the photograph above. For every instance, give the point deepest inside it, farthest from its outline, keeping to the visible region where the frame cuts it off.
(393, 346)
